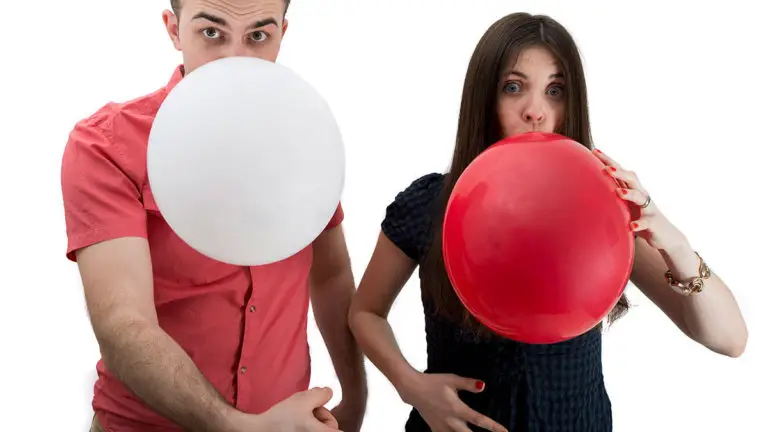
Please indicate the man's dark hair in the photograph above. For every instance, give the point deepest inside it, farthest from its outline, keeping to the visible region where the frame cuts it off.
(176, 6)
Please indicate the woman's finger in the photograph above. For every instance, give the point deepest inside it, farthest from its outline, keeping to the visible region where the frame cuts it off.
(641, 224)
(606, 159)
(632, 195)
(609, 171)
(477, 419)
(628, 177)
(456, 425)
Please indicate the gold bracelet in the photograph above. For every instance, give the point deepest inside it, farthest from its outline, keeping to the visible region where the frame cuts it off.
(695, 284)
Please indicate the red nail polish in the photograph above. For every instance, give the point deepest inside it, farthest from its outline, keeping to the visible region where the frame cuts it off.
(613, 169)
(634, 225)
(624, 191)
(597, 150)
(480, 385)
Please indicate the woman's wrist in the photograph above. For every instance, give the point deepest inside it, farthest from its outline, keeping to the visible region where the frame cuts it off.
(682, 261)
(405, 381)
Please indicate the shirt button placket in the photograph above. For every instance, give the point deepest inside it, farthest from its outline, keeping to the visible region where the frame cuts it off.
(251, 309)
(243, 390)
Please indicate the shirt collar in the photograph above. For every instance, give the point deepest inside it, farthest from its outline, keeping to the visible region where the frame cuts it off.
(178, 74)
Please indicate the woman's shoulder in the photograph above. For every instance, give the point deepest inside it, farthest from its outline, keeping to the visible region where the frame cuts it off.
(408, 217)
(420, 192)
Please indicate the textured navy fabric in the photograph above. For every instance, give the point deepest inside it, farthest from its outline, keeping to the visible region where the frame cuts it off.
(531, 388)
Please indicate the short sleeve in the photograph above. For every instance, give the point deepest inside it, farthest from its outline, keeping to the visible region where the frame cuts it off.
(408, 219)
(101, 200)
(336, 219)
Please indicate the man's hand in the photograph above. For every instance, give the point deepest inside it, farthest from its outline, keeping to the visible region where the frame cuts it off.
(326, 417)
(302, 412)
(350, 414)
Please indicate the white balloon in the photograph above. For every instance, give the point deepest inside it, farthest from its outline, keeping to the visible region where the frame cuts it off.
(246, 161)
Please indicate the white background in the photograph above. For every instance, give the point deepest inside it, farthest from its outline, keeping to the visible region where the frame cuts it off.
(676, 94)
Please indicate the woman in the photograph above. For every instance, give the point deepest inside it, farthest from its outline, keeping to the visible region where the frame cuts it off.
(525, 75)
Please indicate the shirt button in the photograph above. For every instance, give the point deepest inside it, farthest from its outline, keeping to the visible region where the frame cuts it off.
(242, 370)
(252, 308)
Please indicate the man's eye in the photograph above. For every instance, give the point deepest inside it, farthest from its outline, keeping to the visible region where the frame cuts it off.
(211, 33)
(258, 36)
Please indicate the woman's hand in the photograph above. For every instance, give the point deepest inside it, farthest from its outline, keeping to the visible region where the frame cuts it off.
(648, 221)
(435, 397)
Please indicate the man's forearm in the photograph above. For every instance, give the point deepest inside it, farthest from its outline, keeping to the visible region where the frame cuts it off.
(155, 368)
(330, 304)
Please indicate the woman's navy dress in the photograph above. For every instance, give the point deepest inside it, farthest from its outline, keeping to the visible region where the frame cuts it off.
(531, 388)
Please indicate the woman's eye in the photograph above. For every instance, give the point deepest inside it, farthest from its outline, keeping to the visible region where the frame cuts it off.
(556, 91)
(211, 33)
(512, 87)
(258, 36)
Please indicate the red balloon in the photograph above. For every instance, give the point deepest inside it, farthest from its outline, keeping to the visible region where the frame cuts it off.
(536, 241)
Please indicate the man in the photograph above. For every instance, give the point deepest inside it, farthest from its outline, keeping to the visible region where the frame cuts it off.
(189, 343)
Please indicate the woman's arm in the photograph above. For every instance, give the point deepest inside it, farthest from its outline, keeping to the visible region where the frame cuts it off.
(435, 396)
(387, 272)
(711, 317)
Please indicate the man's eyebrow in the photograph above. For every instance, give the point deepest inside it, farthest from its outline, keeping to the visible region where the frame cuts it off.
(214, 19)
(222, 22)
(263, 23)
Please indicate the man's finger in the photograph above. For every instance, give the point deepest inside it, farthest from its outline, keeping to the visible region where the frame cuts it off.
(324, 428)
(318, 396)
(326, 417)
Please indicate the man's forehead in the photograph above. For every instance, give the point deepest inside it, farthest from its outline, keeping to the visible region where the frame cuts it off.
(236, 8)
